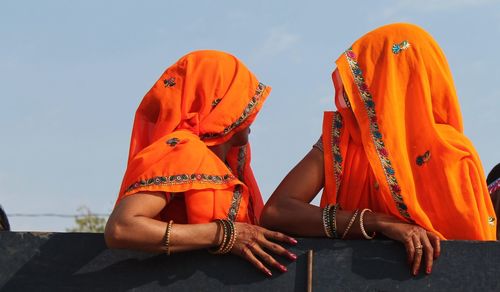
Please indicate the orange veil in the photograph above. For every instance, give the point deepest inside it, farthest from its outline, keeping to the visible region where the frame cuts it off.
(202, 100)
(396, 144)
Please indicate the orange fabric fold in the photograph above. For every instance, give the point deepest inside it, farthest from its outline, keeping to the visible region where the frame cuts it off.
(396, 144)
(200, 101)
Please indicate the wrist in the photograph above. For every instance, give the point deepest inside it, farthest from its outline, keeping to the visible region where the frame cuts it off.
(228, 230)
(373, 222)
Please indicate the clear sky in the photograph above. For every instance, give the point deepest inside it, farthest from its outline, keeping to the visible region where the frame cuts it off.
(72, 74)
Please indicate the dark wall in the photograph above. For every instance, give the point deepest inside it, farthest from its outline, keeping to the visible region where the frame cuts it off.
(78, 261)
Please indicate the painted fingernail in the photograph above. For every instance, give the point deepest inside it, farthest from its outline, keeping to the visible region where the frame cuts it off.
(293, 240)
(269, 273)
(292, 256)
(283, 268)
(429, 270)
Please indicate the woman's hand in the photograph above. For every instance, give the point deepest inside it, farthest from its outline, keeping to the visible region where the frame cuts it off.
(253, 244)
(420, 244)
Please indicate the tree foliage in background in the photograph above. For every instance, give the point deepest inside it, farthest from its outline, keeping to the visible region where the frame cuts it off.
(88, 222)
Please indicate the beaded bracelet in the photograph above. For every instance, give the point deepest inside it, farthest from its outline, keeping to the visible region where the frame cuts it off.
(362, 226)
(326, 221)
(166, 237)
(224, 245)
(232, 238)
(333, 221)
(353, 218)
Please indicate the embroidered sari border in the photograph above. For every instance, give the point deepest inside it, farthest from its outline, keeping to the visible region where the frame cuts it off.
(337, 155)
(494, 186)
(179, 179)
(237, 193)
(249, 109)
(376, 135)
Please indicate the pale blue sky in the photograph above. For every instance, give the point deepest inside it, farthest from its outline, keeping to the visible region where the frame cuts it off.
(72, 74)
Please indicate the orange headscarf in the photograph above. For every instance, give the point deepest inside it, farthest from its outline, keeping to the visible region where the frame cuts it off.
(396, 145)
(202, 100)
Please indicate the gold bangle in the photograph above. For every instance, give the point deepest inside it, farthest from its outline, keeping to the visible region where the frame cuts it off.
(166, 237)
(326, 221)
(223, 228)
(362, 226)
(353, 218)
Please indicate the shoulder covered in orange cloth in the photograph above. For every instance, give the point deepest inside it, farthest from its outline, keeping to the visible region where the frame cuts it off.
(396, 144)
(200, 101)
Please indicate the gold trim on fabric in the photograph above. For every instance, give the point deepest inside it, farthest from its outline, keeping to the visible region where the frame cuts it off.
(182, 179)
(246, 113)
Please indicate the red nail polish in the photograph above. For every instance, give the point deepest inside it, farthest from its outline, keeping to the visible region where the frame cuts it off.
(269, 273)
(292, 256)
(292, 240)
(429, 270)
(283, 268)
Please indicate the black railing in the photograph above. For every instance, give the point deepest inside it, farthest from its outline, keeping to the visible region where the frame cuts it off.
(81, 261)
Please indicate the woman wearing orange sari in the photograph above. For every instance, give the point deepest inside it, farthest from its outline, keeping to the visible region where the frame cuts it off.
(393, 159)
(188, 183)
(493, 181)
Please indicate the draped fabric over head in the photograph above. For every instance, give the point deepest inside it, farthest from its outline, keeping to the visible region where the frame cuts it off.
(200, 101)
(396, 144)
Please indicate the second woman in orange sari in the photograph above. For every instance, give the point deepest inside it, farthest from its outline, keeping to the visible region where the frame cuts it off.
(393, 159)
(188, 183)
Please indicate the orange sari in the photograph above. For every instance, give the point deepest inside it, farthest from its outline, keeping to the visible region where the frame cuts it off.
(396, 144)
(200, 101)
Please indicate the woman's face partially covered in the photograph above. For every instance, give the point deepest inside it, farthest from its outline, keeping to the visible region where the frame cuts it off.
(240, 138)
(339, 90)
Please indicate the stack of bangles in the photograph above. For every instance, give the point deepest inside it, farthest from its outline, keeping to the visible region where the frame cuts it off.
(228, 236)
(330, 222)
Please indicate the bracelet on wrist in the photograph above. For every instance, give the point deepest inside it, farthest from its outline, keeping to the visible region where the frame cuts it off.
(353, 218)
(166, 237)
(362, 226)
(327, 222)
(333, 220)
(228, 237)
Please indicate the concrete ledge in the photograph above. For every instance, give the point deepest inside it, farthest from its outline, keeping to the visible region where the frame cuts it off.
(79, 261)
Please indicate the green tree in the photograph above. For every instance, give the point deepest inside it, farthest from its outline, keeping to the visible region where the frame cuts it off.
(88, 222)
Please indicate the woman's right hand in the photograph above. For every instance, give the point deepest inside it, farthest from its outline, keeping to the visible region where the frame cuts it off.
(254, 243)
(419, 243)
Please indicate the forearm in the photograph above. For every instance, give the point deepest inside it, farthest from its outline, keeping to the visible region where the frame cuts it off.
(299, 218)
(352, 220)
(140, 232)
(293, 217)
(372, 223)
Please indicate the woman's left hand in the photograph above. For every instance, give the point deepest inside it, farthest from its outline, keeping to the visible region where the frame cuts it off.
(420, 244)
